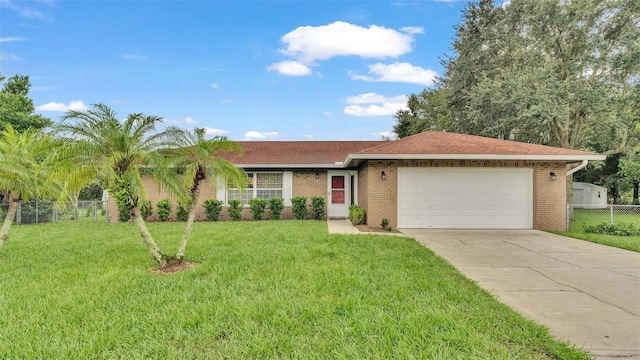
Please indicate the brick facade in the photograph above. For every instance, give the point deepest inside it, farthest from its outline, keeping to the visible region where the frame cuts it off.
(306, 184)
(380, 196)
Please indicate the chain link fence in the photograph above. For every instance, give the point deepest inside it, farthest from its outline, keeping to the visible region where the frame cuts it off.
(578, 216)
(38, 212)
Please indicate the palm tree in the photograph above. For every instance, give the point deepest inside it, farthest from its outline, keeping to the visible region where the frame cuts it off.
(29, 168)
(198, 159)
(118, 151)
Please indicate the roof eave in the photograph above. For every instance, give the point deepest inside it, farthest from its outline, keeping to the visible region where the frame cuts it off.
(291, 166)
(570, 158)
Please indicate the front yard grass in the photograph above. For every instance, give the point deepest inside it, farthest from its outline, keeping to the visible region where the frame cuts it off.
(270, 289)
(583, 217)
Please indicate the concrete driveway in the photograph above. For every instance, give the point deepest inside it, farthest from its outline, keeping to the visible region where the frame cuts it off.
(585, 293)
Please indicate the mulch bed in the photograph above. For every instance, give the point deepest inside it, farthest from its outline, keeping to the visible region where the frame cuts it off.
(367, 228)
(173, 267)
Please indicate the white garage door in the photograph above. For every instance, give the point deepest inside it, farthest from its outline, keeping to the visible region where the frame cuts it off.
(465, 198)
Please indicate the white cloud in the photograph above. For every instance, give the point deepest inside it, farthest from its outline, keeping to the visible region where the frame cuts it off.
(308, 44)
(378, 105)
(398, 72)
(327, 113)
(41, 10)
(76, 105)
(308, 136)
(214, 131)
(8, 56)
(134, 57)
(8, 39)
(214, 86)
(290, 68)
(372, 98)
(253, 135)
(385, 134)
(412, 30)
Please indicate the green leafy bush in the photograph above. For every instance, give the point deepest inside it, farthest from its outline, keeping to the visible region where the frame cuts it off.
(357, 215)
(163, 209)
(145, 209)
(181, 213)
(91, 191)
(299, 207)
(212, 209)
(385, 224)
(317, 207)
(619, 229)
(235, 210)
(256, 207)
(276, 205)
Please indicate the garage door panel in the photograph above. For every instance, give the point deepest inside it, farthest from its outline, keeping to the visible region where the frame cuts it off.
(465, 198)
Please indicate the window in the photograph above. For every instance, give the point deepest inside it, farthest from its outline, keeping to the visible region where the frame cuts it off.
(259, 185)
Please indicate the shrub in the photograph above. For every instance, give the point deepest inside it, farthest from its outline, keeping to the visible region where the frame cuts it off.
(357, 215)
(317, 207)
(89, 210)
(145, 209)
(256, 207)
(385, 224)
(235, 210)
(28, 211)
(212, 208)
(619, 229)
(163, 209)
(276, 205)
(299, 207)
(181, 213)
(91, 191)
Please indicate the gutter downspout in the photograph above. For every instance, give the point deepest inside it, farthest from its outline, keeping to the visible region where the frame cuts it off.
(582, 165)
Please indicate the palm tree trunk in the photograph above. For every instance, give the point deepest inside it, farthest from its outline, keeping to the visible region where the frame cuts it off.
(190, 219)
(187, 232)
(6, 225)
(154, 249)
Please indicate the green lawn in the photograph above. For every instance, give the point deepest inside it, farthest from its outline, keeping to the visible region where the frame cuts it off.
(272, 289)
(584, 217)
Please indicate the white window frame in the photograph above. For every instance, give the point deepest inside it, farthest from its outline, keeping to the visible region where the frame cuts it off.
(255, 188)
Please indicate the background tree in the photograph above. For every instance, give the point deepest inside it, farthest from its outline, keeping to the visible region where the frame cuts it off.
(16, 108)
(118, 152)
(198, 159)
(630, 169)
(563, 73)
(427, 110)
(29, 168)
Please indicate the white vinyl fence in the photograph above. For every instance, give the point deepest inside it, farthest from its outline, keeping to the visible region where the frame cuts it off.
(37, 212)
(580, 215)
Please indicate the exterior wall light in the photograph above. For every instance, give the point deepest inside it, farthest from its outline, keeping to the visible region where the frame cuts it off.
(383, 175)
(553, 176)
(317, 176)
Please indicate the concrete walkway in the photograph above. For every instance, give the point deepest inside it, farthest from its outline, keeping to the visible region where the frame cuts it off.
(585, 293)
(344, 226)
(341, 226)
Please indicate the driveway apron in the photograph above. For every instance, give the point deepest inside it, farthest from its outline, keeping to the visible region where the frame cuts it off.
(585, 293)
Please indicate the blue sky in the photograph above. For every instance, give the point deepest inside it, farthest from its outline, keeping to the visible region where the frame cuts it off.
(249, 70)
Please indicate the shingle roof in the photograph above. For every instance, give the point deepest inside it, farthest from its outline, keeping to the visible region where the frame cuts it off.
(426, 145)
(437, 142)
(301, 153)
